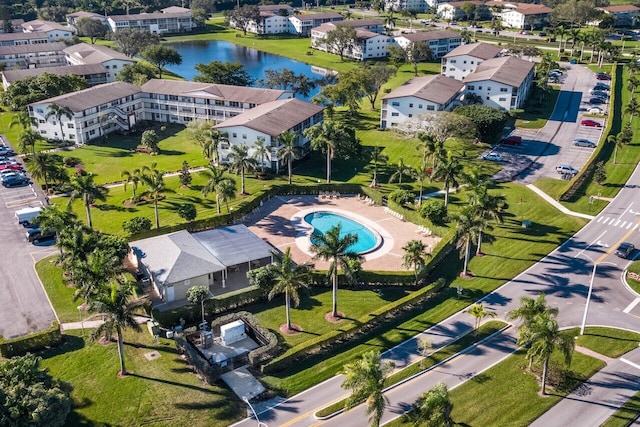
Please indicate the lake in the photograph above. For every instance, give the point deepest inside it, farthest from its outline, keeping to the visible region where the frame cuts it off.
(255, 62)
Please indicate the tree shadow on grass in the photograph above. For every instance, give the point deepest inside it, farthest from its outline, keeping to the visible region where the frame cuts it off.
(177, 384)
(105, 207)
(69, 344)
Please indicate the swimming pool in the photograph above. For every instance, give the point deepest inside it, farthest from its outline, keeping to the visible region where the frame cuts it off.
(324, 221)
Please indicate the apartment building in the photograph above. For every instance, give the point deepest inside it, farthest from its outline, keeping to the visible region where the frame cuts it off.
(33, 55)
(90, 54)
(95, 74)
(53, 30)
(464, 59)
(18, 38)
(370, 42)
(170, 20)
(441, 42)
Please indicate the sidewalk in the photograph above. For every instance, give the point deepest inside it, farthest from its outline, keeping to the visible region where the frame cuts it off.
(557, 204)
(91, 324)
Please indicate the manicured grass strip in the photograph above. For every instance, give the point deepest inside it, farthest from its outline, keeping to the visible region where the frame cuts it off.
(434, 358)
(60, 295)
(509, 394)
(162, 391)
(626, 414)
(608, 341)
(535, 116)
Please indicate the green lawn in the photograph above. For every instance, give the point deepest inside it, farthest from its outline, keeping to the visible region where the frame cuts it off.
(610, 342)
(535, 115)
(625, 415)
(162, 392)
(526, 247)
(60, 295)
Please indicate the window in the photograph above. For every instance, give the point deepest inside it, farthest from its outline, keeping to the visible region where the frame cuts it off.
(489, 88)
(464, 62)
(502, 99)
(395, 114)
(419, 106)
(410, 105)
(471, 87)
(430, 108)
(70, 125)
(244, 136)
(503, 89)
(71, 136)
(410, 115)
(453, 61)
(92, 132)
(479, 87)
(43, 132)
(395, 103)
(472, 62)
(40, 121)
(488, 98)
(224, 146)
(187, 282)
(235, 135)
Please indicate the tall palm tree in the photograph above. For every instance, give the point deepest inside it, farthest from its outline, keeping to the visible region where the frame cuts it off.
(288, 150)
(241, 163)
(214, 174)
(28, 138)
(485, 206)
(76, 244)
(560, 33)
(365, 377)
(327, 137)
(377, 158)
(415, 256)
(91, 275)
(449, 171)
(633, 83)
(42, 165)
(573, 36)
(210, 146)
(135, 178)
(632, 108)
(433, 408)
(544, 337)
(154, 180)
(21, 118)
(335, 248)
(479, 312)
(225, 191)
(466, 234)
(618, 143)
(58, 112)
(84, 188)
(288, 278)
(117, 304)
(260, 151)
(402, 169)
(53, 218)
(428, 147)
(422, 174)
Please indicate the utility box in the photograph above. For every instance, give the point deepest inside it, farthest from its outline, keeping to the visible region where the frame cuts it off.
(207, 340)
(232, 332)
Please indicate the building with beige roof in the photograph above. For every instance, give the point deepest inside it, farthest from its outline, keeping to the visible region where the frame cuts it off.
(84, 54)
(503, 82)
(53, 30)
(268, 121)
(19, 38)
(420, 95)
(157, 22)
(73, 18)
(370, 42)
(464, 59)
(624, 15)
(441, 42)
(95, 74)
(521, 15)
(39, 55)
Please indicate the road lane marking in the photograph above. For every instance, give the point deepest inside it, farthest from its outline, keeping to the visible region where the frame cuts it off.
(631, 306)
(599, 219)
(606, 220)
(630, 363)
(623, 224)
(622, 239)
(591, 244)
(626, 210)
(617, 222)
(630, 224)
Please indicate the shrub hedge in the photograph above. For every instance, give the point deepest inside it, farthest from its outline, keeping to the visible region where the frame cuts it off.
(209, 373)
(365, 323)
(32, 342)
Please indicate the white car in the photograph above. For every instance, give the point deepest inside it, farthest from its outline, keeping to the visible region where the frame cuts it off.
(595, 110)
(493, 157)
(566, 170)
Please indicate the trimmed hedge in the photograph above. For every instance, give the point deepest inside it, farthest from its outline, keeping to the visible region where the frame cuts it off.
(32, 342)
(366, 322)
(209, 374)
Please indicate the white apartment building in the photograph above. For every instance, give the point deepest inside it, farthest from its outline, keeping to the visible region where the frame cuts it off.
(397, 5)
(441, 42)
(157, 22)
(116, 106)
(18, 38)
(95, 74)
(302, 24)
(371, 43)
(625, 15)
(452, 11)
(278, 19)
(33, 55)
(73, 18)
(464, 60)
(502, 82)
(521, 15)
(268, 121)
(420, 95)
(53, 30)
(87, 54)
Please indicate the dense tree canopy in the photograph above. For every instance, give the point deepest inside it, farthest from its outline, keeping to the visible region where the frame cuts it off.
(91, 28)
(132, 42)
(341, 40)
(288, 80)
(227, 73)
(243, 16)
(30, 396)
(489, 121)
(161, 56)
(137, 74)
(44, 86)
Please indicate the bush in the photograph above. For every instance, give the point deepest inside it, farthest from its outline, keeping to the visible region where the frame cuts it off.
(433, 210)
(71, 161)
(401, 197)
(488, 120)
(137, 225)
(187, 212)
(31, 342)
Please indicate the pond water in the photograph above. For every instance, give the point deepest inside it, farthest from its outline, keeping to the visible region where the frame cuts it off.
(255, 62)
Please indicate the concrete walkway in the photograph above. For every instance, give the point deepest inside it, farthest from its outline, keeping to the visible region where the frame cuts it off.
(91, 324)
(557, 204)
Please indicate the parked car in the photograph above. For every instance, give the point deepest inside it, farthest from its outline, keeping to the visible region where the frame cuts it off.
(542, 34)
(557, 70)
(15, 181)
(603, 77)
(625, 249)
(602, 86)
(512, 140)
(590, 123)
(8, 173)
(595, 110)
(7, 152)
(493, 157)
(15, 167)
(566, 170)
(599, 93)
(555, 74)
(597, 100)
(581, 142)
(35, 235)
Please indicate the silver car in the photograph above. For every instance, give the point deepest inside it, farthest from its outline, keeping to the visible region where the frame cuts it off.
(581, 142)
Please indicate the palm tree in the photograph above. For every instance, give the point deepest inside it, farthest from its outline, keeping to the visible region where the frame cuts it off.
(288, 150)
(58, 112)
(260, 151)
(241, 163)
(365, 378)
(215, 175)
(377, 158)
(544, 337)
(422, 174)
(401, 170)
(84, 188)
(116, 303)
(466, 234)
(530, 308)
(632, 83)
(415, 256)
(449, 171)
(575, 35)
(428, 147)
(134, 177)
(226, 190)
(28, 138)
(485, 206)
(560, 32)
(335, 248)
(75, 243)
(42, 165)
(53, 218)
(211, 145)
(150, 139)
(154, 180)
(632, 108)
(91, 275)
(288, 278)
(618, 143)
(433, 408)
(21, 118)
(321, 136)
(479, 312)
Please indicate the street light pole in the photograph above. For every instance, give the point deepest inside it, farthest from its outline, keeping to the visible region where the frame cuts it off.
(81, 320)
(586, 307)
(255, 415)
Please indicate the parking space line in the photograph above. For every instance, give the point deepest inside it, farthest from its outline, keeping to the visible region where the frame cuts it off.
(616, 224)
(623, 224)
(635, 226)
(606, 220)
(22, 203)
(630, 224)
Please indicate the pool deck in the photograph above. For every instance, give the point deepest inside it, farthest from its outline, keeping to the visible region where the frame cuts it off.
(280, 222)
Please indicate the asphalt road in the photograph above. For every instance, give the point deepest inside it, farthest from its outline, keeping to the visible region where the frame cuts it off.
(25, 306)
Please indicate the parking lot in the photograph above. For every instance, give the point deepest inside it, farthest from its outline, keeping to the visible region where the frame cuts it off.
(25, 306)
(543, 150)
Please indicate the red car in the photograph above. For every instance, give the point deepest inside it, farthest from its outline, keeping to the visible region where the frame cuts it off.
(603, 77)
(11, 166)
(591, 123)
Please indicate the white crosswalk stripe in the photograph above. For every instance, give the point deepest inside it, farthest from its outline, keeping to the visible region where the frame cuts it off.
(605, 220)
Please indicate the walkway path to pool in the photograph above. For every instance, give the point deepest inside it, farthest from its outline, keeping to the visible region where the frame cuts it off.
(280, 222)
